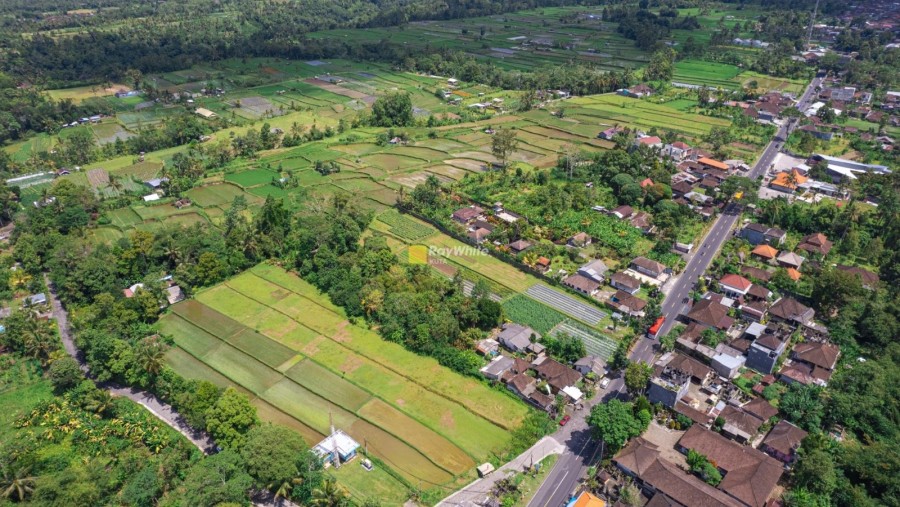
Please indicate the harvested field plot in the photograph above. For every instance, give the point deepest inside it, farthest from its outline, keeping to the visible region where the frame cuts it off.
(390, 162)
(98, 178)
(253, 107)
(566, 304)
(524, 310)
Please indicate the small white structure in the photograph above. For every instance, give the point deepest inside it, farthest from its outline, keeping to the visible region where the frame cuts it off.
(337, 448)
(151, 197)
(485, 469)
(573, 393)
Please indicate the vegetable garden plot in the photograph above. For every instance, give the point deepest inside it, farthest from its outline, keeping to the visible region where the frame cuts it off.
(405, 227)
(594, 343)
(523, 310)
(566, 304)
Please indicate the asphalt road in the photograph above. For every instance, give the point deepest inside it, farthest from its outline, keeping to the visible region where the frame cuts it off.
(581, 450)
(675, 302)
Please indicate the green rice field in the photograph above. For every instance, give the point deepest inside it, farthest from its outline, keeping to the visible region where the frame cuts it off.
(290, 347)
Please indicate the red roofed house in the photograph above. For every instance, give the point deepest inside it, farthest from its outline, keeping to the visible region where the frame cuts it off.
(646, 183)
(765, 252)
(735, 285)
(651, 141)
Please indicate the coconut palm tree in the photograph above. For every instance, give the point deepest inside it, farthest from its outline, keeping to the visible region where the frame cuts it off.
(150, 354)
(329, 494)
(15, 482)
(99, 402)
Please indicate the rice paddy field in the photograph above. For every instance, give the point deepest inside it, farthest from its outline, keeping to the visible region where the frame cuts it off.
(302, 362)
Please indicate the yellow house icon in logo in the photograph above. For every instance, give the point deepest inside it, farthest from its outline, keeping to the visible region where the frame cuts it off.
(418, 254)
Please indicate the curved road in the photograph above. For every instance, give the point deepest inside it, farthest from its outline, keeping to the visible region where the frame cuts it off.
(163, 411)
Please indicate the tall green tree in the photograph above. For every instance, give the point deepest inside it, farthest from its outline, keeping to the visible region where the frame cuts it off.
(229, 420)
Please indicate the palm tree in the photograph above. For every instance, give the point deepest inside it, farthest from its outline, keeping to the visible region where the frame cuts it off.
(39, 340)
(99, 402)
(16, 483)
(284, 490)
(150, 354)
(328, 495)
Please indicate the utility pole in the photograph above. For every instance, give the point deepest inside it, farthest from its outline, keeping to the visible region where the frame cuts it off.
(812, 21)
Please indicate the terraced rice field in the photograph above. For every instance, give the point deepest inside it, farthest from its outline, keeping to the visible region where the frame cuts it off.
(304, 360)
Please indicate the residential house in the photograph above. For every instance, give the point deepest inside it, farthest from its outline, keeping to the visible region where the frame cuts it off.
(678, 151)
(790, 310)
(336, 448)
(479, 234)
(517, 247)
(626, 283)
(668, 386)
(156, 183)
(761, 408)
(648, 267)
(783, 442)
(467, 214)
(756, 233)
(753, 310)
(710, 313)
(38, 299)
(557, 375)
(790, 260)
(758, 292)
(627, 304)
(174, 294)
(622, 212)
(816, 244)
(788, 181)
(734, 286)
(591, 365)
(516, 337)
(819, 356)
(610, 133)
(497, 367)
(586, 499)
(636, 91)
(488, 347)
(717, 166)
(728, 364)
(681, 188)
(739, 425)
(749, 475)
(869, 279)
(764, 252)
(765, 352)
(542, 264)
(580, 240)
(699, 372)
(756, 273)
(642, 221)
(665, 481)
(522, 384)
(595, 270)
(649, 141)
(583, 284)
(131, 291)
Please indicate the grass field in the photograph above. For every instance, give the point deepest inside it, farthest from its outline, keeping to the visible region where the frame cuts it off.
(288, 346)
